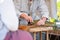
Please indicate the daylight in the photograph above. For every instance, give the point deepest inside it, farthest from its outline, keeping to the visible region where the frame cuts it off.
(58, 0)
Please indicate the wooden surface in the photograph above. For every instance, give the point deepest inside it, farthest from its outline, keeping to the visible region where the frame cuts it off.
(42, 28)
(35, 28)
(55, 32)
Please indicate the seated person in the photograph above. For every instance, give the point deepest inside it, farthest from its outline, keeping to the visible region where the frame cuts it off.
(9, 22)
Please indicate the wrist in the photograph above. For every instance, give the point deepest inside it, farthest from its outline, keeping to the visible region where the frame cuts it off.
(24, 15)
(44, 19)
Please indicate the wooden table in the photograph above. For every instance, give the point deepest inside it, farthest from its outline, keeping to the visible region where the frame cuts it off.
(40, 30)
(55, 33)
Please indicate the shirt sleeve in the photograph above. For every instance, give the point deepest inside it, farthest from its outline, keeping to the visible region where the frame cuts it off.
(43, 8)
(17, 7)
(8, 15)
(18, 12)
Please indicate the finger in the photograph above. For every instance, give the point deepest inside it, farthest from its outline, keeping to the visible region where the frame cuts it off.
(30, 19)
(27, 19)
(38, 23)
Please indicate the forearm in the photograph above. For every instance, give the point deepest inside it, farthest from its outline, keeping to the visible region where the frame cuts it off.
(44, 9)
(9, 17)
(23, 15)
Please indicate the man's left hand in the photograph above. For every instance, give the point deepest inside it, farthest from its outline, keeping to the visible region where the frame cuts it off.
(41, 21)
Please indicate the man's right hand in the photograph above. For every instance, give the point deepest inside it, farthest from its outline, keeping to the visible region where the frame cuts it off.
(26, 17)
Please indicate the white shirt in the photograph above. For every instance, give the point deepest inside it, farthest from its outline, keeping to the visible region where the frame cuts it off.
(1, 1)
(8, 17)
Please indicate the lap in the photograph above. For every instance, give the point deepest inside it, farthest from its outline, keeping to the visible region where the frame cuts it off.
(19, 35)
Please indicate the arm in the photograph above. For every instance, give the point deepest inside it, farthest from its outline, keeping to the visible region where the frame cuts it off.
(33, 9)
(21, 5)
(8, 15)
(21, 9)
(24, 6)
(44, 9)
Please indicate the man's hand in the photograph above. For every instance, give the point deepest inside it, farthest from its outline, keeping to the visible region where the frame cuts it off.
(30, 19)
(41, 21)
(26, 17)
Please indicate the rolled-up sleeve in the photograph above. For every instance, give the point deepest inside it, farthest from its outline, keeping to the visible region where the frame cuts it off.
(8, 15)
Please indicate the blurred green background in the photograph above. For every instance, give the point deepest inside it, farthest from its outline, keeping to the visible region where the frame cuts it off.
(58, 9)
